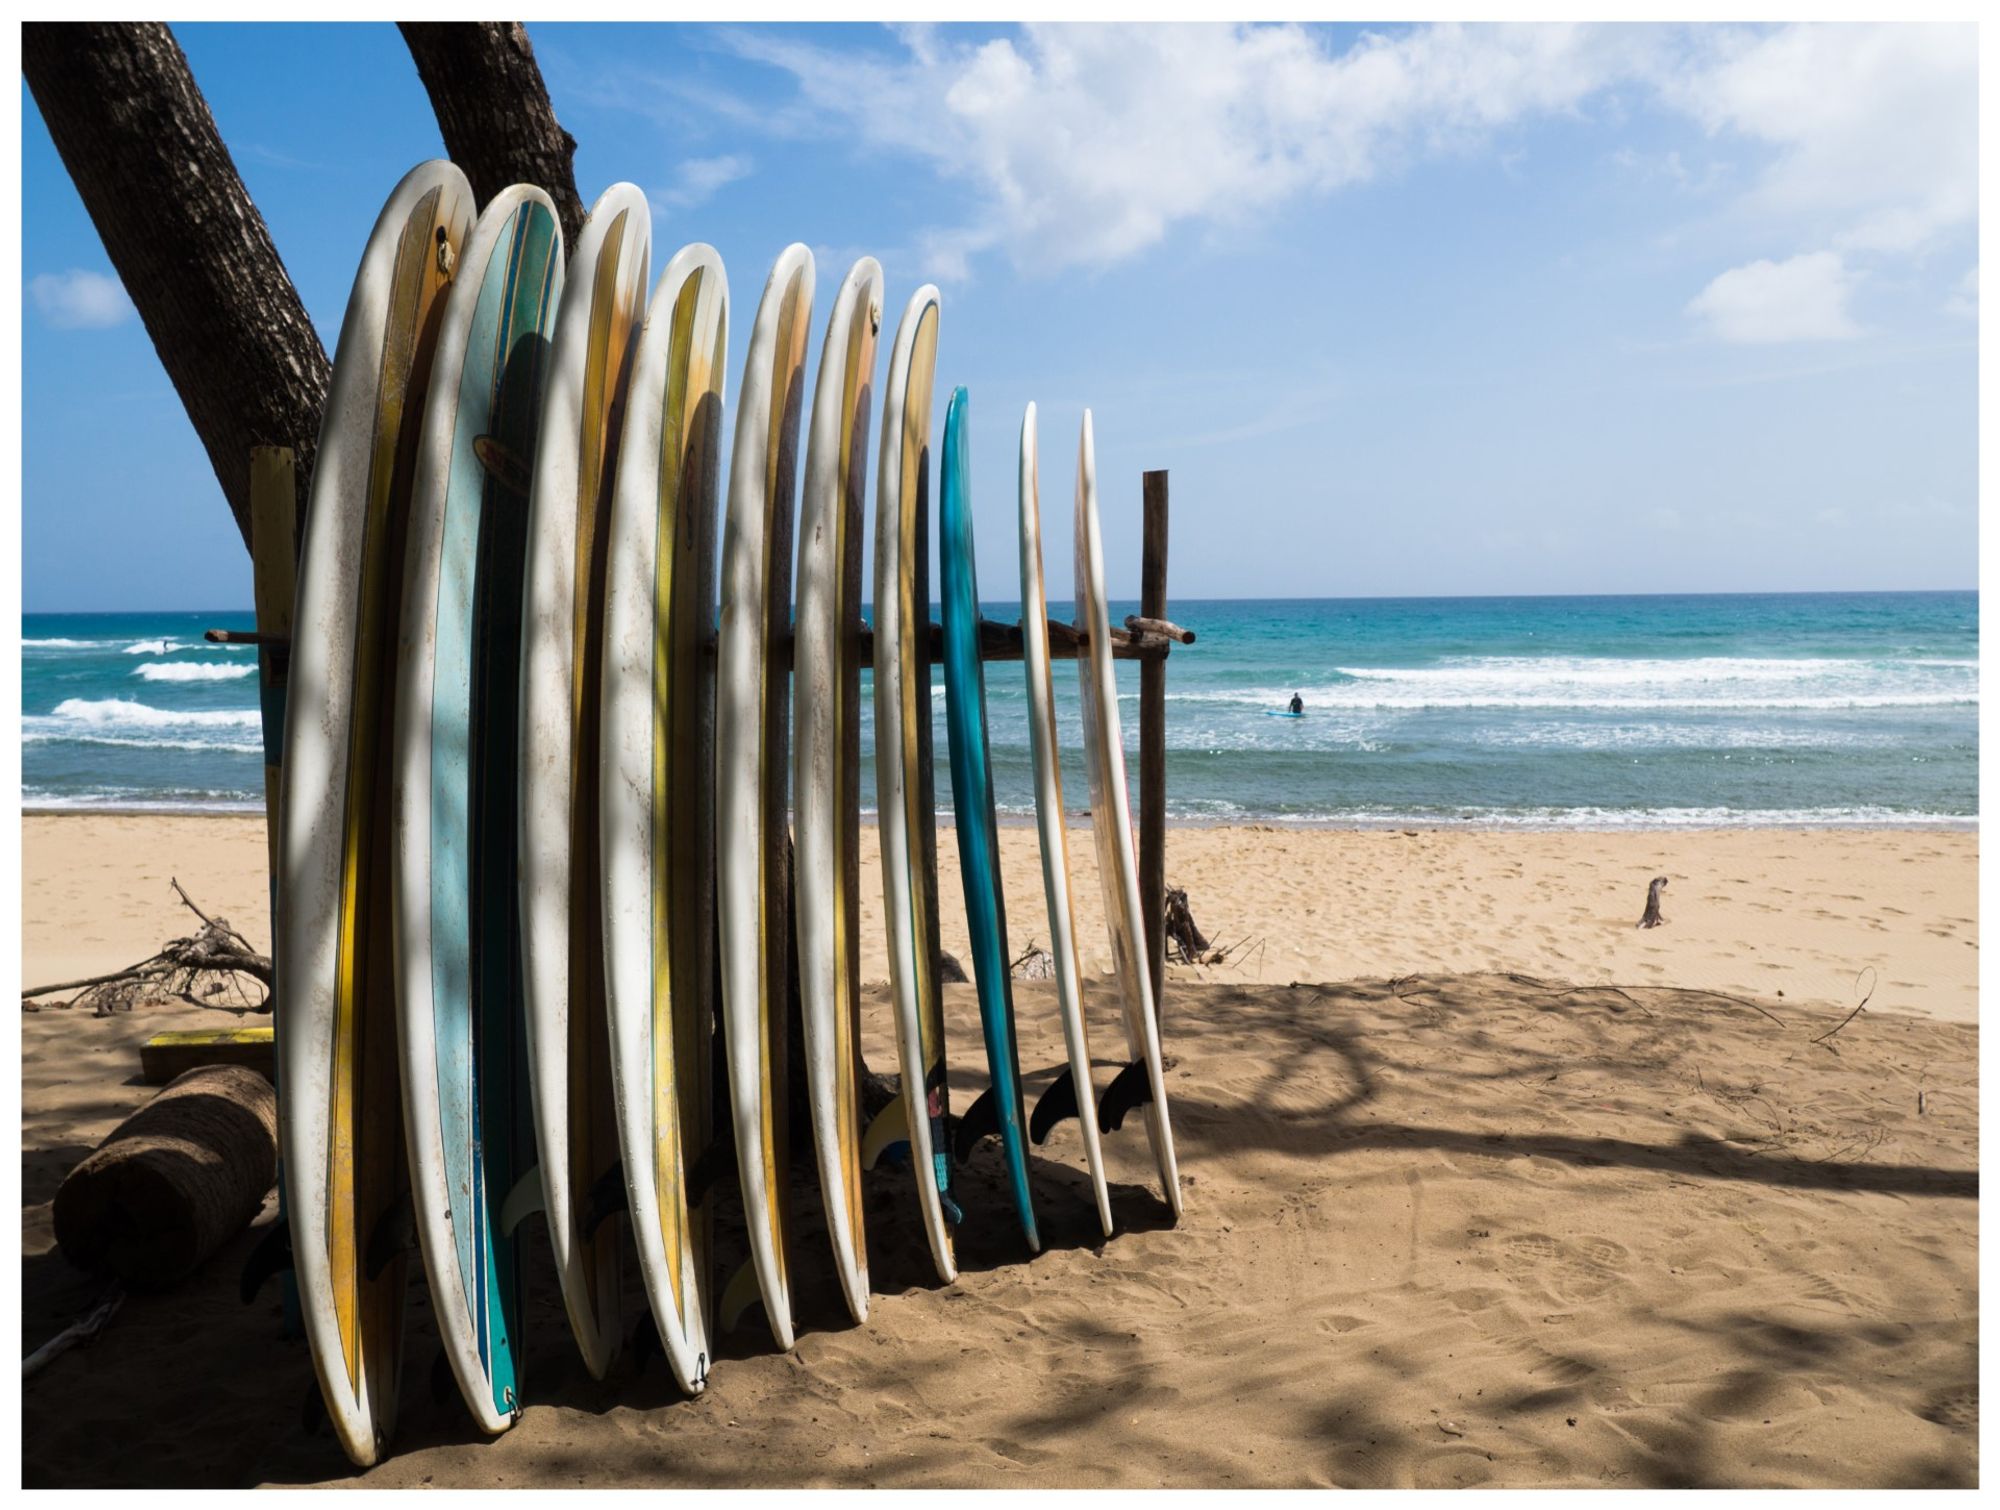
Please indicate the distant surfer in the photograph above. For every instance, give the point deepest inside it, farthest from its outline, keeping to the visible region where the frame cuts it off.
(1298, 705)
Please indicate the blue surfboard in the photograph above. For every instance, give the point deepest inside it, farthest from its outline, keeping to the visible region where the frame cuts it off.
(999, 1110)
(461, 1026)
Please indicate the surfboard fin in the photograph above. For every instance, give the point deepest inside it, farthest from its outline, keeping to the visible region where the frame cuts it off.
(1056, 1103)
(272, 1255)
(523, 1201)
(717, 1161)
(890, 1127)
(738, 1296)
(394, 1235)
(607, 1198)
(1133, 1087)
(981, 1119)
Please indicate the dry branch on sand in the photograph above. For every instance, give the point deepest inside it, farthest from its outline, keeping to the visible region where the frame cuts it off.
(213, 968)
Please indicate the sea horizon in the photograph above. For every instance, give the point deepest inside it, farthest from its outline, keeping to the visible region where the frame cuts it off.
(1502, 711)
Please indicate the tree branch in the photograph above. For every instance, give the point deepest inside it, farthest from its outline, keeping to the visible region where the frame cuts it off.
(191, 248)
(494, 111)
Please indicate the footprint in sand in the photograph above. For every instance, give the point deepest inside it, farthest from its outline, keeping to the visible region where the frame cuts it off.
(1956, 1408)
(1579, 1269)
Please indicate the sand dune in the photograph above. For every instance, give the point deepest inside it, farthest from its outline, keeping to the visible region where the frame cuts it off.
(1443, 1226)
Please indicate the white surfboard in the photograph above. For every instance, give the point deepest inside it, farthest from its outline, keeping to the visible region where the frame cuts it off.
(340, 1118)
(658, 798)
(562, 944)
(1111, 817)
(826, 681)
(751, 727)
(1049, 819)
(902, 710)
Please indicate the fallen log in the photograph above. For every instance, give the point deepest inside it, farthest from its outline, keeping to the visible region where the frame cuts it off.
(174, 1181)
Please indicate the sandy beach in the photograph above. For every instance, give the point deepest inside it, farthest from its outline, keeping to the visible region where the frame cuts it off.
(1449, 1219)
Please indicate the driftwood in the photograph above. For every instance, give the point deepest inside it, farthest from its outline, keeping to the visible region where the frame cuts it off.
(210, 969)
(1651, 917)
(174, 1181)
(1035, 963)
(77, 1334)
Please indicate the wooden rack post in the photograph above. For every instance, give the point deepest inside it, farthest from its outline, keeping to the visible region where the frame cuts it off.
(1147, 637)
(274, 583)
(1153, 740)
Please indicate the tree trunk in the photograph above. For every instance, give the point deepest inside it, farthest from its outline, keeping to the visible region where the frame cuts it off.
(174, 1181)
(194, 253)
(494, 111)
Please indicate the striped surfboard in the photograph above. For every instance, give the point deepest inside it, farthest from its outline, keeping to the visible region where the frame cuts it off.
(752, 726)
(905, 799)
(459, 1017)
(340, 1121)
(579, 1182)
(656, 780)
(826, 682)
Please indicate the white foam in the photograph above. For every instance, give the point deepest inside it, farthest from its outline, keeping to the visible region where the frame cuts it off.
(100, 720)
(34, 800)
(59, 644)
(157, 647)
(1861, 816)
(191, 671)
(1610, 684)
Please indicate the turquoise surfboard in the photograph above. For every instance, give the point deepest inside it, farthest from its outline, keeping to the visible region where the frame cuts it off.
(461, 1026)
(999, 1110)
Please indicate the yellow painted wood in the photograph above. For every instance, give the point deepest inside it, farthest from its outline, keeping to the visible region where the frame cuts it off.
(166, 1056)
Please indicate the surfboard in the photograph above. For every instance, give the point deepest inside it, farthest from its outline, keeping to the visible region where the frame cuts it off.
(826, 689)
(998, 1109)
(460, 1027)
(752, 727)
(578, 1183)
(1281, 713)
(658, 814)
(904, 799)
(340, 1121)
(1073, 1094)
(1141, 1082)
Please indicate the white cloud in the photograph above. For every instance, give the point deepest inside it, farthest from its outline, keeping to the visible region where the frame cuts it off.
(1091, 144)
(80, 299)
(1875, 128)
(1803, 298)
(1087, 144)
(697, 180)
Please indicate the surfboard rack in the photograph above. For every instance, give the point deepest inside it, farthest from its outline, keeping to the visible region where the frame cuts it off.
(1148, 637)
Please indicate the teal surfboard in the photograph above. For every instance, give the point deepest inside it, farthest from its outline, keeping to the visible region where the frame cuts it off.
(999, 1109)
(461, 1028)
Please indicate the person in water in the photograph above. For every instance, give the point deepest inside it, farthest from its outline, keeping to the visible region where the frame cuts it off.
(1298, 704)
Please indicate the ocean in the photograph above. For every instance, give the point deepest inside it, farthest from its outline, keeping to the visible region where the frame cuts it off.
(1610, 712)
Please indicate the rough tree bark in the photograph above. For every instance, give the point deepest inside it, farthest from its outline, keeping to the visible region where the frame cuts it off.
(192, 249)
(494, 111)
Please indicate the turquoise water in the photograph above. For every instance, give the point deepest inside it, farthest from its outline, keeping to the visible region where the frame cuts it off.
(1601, 712)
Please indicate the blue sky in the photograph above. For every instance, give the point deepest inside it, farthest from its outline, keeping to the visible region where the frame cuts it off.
(1403, 310)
